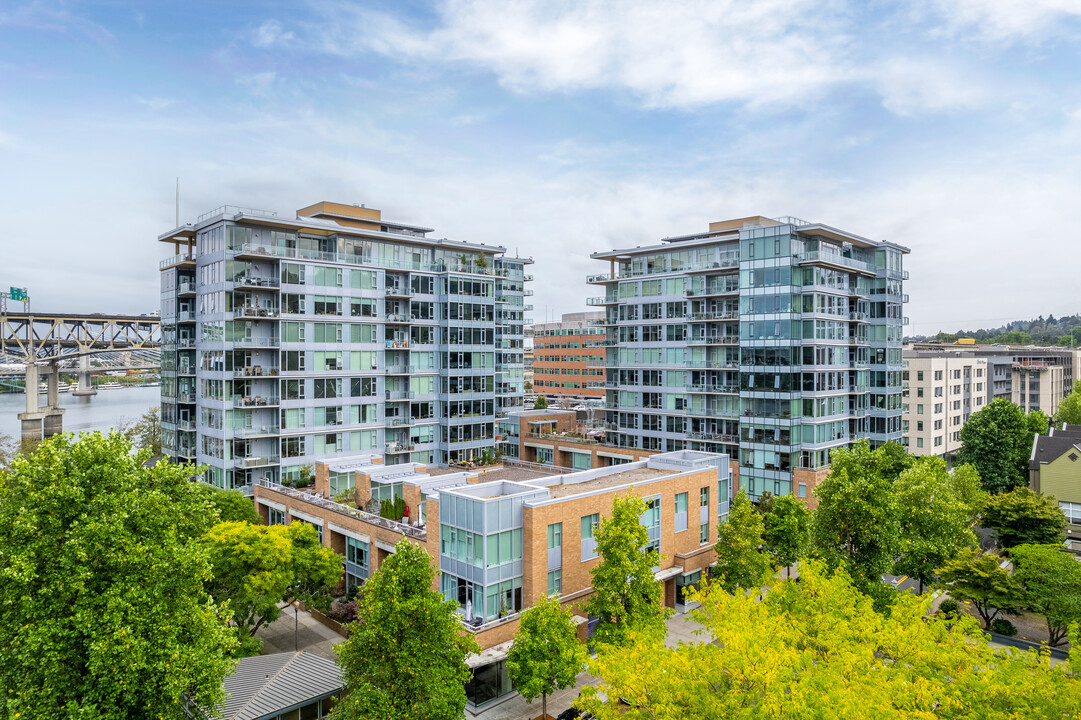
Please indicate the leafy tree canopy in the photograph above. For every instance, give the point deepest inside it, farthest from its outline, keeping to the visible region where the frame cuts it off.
(934, 521)
(817, 649)
(546, 655)
(980, 580)
(855, 524)
(1069, 410)
(997, 441)
(103, 612)
(1024, 517)
(741, 564)
(405, 656)
(255, 567)
(229, 505)
(787, 531)
(145, 433)
(541, 403)
(626, 596)
(1050, 581)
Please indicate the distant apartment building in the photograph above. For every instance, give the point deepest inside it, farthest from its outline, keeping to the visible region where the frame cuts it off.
(776, 341)
(942, 389)
(505, 539)
(1039, 386)
(287, 340)
(568, 357)
(1008, 363)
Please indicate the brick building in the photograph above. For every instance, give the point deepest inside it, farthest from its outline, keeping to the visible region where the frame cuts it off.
(499, 544)
(568, 357)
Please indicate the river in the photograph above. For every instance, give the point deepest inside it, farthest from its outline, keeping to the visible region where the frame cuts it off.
(83, 414)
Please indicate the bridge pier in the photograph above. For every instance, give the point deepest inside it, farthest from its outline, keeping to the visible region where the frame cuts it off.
(86, 387)
(38, 422)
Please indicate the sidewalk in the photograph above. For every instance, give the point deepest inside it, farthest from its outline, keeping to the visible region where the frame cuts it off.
(309, 635)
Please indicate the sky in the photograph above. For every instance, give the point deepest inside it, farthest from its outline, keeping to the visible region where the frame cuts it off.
(553, 128)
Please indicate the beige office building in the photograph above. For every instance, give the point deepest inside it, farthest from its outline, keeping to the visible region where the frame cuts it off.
(1039, 386)
(941, 392)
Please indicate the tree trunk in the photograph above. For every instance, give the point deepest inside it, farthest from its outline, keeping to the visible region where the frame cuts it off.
(544, 706)
(921, 586)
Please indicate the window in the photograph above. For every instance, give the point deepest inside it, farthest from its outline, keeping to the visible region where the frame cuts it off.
(803, 489)
(938, 374)
(651, 519)
(275, 516)
(919, 442)
(703, 533)
(555, 535)
(919, 375)
(555, 582)
(681, 512)
(589, 544)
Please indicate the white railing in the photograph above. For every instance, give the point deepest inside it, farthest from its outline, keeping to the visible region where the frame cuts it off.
(372, 519)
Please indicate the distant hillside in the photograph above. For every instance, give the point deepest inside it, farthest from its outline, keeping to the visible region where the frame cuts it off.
(1065, 331)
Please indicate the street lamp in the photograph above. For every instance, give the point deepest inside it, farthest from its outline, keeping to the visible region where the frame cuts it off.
(296, 625)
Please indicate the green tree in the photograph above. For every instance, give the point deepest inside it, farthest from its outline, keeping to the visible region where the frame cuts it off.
(541, 403)
(786, 532)
(228, 505)
(979, 580)
(103, 612)
(965, 482)
(817, 649)
(934, 524)
(546, 655)
(145, 433)
(1023, 517)
(855, 524)
(741, 564)
(1050, 581)
(1069, 410)
(405, 656)
(255, 567)
(1036, 423)
(893, 459)
(997, 441)
(626, 597)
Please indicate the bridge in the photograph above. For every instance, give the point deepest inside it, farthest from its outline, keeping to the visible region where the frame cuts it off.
(46, 343)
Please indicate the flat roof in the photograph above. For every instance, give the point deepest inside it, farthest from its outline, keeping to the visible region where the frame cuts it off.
(604, 482)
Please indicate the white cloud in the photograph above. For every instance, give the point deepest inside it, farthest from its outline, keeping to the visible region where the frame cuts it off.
(916, 86)
(271, 33)
(47, 16)
(666, 54)
(1008, 20)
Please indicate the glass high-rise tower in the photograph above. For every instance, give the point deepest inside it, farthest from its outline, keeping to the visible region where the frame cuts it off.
(775, 341)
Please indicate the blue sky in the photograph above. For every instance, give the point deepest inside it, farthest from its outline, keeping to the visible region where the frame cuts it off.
(553, 128)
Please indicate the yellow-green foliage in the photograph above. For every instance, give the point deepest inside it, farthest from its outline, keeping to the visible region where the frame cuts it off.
(817, 649)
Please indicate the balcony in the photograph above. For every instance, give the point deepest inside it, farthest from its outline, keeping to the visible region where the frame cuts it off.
(175, 260)
(600, 278)
(398, 291)
(397, 344)
(254, 313)
(257, 462)
(186, 343)
(185, 288)
(715, 315)
(601, 301)
(185, 316)
(715, 389)
(400, 422)
(256, 432)
(398, 318)
(713, 437)
(835, 259)
(857, 317)
(712, 340)
(256, 342)
(399, 395)
(186, 397)
(252, 281)
(188, 425)
(255, 371)
(256, 401)
(396, 448)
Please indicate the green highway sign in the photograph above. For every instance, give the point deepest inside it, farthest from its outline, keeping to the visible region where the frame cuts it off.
(19, 294)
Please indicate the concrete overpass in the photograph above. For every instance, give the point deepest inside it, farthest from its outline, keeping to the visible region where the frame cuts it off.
(45, 342)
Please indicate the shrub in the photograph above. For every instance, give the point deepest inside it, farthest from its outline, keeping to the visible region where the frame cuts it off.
(1002, 626)
(344, 611)
(392, 509)
(351, 593)
(949, 607)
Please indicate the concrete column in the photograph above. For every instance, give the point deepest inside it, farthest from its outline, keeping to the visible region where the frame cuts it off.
(85, 385)
(54, 415)
(32, 419)
(53, 383)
